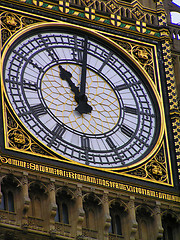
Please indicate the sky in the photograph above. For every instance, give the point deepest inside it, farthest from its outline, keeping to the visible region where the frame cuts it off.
(175, 17)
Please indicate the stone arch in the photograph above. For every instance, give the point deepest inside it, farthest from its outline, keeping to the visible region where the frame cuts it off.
(144, 209)
(38, 193)
(92, 206)
(92, 197)
(9, 192)
(121, 203)
(145, 219)
(65, 200)
(38, 187)
(118, 211)
(11, 180)
(170, 224)
(65, 191)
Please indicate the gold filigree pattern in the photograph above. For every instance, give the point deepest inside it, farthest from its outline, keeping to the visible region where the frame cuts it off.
(58, 98)
(137, 13)
(112, 6)
(144, 55)
(155, 169)
(11, 23)
(18, 139)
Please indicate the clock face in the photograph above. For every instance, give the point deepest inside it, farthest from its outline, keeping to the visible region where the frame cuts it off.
(76, 93)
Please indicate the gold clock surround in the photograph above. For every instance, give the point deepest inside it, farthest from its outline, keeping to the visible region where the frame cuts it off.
(140, 55)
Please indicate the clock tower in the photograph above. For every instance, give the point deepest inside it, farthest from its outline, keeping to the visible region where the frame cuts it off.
(90, 124)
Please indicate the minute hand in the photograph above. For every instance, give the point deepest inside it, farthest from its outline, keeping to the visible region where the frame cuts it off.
(83, 73)
(83, 106)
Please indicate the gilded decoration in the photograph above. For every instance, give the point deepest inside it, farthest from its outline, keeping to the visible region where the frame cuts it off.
(102, 11)
(144, 55)
(11, 23)
(172, 94)
(155, 169)
(137, 13)
(17, 139)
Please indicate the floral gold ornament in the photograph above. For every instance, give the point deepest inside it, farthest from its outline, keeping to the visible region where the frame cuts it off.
(11, 22)
(154, 170)
(18, 139)
(142, 54)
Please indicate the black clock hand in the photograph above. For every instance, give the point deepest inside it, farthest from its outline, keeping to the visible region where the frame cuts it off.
(65, 75)
(83, 106)
(83, 72)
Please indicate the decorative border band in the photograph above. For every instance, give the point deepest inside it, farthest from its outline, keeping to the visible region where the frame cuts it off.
(84, 178)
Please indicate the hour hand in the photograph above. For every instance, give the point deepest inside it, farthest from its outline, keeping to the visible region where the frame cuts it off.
(81, 99)
(65, 75)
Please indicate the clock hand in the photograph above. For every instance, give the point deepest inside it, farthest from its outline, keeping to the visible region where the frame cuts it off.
(83, 106)
(65, 75)
(83, 72)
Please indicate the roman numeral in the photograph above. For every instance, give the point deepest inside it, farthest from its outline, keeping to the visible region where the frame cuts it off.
(130, 110)
(76, 52)
(30, 85)
(38, 110)
(126, 86)
(110, 143)
(85, 143)
(113, 147)
(51, 52)
(105, 61)
(57, 132)
(126, 130)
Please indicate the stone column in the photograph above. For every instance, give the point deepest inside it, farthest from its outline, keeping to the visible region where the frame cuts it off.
(52, 205)
(0, 190)
(106, 215)
(133, 225)
(79, 216)
(158, 229)
(26, 199)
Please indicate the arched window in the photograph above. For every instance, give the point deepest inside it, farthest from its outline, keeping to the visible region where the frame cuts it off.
(116, 212)
(38, 197)
(10, 202)
(65, 217)
(2, 205)
(62, 214)
(7, 201)
(57, 217)
(116, 227)
(63, 202)
(171, 226)
(10, 194)
(92, 209)
(145, 220)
